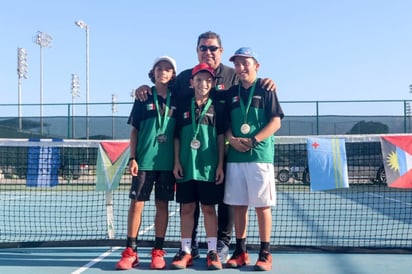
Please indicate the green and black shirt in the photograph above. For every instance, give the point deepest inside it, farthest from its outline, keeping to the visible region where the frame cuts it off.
(264, 106)
(199, 164)
(154, 152)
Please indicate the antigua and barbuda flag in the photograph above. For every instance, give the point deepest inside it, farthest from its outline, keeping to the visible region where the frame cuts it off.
(111, 161)
(397, 160)
(43, 163)
(328, 167)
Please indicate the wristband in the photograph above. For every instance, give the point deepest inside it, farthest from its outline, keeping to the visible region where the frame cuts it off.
(255, 143)
(131, 159)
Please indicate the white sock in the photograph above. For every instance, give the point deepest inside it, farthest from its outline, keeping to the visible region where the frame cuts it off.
(211, 243)
(187, 245)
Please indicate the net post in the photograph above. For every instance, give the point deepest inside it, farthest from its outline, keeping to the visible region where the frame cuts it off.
(109, 214)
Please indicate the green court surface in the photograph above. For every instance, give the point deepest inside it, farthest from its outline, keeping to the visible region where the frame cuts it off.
(103, 259)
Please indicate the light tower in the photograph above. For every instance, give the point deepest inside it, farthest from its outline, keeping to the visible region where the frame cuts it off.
(83, 25)
(44, 41)
(75, 93)
(22, 73)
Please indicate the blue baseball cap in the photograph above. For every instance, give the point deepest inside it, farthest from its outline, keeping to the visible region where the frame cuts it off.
(245, 52)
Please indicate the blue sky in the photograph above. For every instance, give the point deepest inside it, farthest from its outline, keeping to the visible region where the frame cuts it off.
(314, 50)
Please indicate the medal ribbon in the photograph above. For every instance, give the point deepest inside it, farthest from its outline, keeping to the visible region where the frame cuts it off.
(162, 122)
(195, 126)
(244, 109)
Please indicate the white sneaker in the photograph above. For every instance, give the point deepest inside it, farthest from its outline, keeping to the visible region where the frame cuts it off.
(222, 251)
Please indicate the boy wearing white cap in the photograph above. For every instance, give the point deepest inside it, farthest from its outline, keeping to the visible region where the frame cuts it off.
(255, 115)
(153, 123)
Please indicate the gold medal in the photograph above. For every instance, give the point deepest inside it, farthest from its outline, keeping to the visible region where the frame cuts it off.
(245, 129)
(195, 144)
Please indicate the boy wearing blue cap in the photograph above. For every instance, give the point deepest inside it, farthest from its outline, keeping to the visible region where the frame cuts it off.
(255, 115)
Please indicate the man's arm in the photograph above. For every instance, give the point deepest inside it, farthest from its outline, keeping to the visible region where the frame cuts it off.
(268, 84)
(141, 92)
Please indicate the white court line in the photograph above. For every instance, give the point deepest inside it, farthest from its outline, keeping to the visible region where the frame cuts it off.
(18, 197)
(389, 199)
(107, 253)
(95, 260)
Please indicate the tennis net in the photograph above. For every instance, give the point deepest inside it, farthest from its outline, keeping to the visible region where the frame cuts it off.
(63, 208)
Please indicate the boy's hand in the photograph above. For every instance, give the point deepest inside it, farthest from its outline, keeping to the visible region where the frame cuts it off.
(177, 171)
(240, 144)
(133, 168)
(220, 175)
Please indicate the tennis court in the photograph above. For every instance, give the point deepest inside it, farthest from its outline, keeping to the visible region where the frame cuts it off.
(72, 228)
(93, 260)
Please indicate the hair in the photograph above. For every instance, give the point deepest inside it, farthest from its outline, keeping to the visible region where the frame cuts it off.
(152, 78)
(209, 35)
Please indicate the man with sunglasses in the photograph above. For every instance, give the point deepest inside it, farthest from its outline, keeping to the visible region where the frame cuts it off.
(209, 50)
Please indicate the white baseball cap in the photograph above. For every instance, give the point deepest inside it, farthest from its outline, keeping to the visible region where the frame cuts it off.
(167, 59)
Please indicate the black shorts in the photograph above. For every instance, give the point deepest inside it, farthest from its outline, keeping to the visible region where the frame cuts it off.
(142, 185)
(207, 193)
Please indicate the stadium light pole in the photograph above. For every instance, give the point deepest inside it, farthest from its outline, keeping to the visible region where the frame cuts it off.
(75, 93)
(22, 73)
(114, 110)
(83, 25)
(44, 41)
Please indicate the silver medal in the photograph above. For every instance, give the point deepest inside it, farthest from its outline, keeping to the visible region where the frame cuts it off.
(245, 129)
(195, 144)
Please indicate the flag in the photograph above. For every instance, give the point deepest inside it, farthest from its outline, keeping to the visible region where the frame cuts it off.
(150, 106)
(328, 167)
(43, 162)
(112, 159)
(397, 160)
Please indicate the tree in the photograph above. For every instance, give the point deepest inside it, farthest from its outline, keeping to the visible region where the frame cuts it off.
(370, 127)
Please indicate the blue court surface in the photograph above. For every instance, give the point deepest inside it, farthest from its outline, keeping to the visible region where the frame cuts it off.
(103, 259)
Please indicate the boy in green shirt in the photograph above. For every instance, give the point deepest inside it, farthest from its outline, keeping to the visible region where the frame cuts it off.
(151, 162)
(198, 166)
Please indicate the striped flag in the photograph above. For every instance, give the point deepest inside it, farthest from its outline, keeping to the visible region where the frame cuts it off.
(111, 161)
(397, 160)
(328, 167)
(43, 162)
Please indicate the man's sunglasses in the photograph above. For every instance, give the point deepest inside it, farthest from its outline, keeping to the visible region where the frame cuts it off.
(211, 48)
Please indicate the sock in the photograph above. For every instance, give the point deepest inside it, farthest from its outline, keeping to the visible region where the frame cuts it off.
(241, 244)
(211, 243)
(159, 242)
(264, 246)
(187, 245)
(132, 243)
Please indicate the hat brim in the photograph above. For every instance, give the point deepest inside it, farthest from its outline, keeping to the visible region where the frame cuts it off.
(231, 59)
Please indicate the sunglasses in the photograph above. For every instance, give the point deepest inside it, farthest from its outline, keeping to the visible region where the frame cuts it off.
(211, 48)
